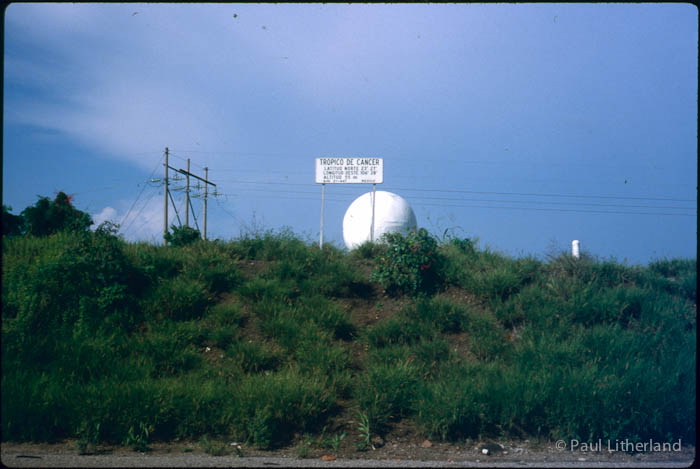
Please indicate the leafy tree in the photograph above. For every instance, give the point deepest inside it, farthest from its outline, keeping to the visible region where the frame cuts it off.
(48, 217)
(181, 236)
(12, 225)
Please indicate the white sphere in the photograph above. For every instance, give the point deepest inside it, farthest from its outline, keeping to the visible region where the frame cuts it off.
(391, 214)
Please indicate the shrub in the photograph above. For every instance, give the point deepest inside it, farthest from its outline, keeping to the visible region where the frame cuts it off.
(181, 236)
(411, 264)
(85, 284)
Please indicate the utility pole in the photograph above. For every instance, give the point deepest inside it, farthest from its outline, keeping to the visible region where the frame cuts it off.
(187, 195)
(165, 193)
(206, 186)
(188, 205)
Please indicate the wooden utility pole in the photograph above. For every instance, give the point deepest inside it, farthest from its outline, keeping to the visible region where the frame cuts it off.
(165, 193)
(187, 195)
(206, 186)
(188, 205)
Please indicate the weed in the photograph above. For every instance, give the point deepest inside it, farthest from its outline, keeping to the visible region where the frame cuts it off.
(88, 437)
(138, 439)
(365, 432)
(335, 442)
(214, 448)
(304, 450)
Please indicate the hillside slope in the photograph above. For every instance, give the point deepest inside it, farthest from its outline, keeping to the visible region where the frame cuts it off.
(269, 340)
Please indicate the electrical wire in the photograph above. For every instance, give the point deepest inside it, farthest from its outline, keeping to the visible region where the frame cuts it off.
(532, 194)
(327, 199)
(584, 204)
(560, 210)
(528, 194)
(142, 189)
(137, 215)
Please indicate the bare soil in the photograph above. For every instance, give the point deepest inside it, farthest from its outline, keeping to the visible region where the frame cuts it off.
(397, 447)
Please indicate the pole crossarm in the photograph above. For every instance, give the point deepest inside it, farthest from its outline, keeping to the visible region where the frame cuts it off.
(187, 173)
(188, 203)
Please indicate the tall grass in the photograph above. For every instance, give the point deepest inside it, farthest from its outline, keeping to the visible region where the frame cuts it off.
(129, 343)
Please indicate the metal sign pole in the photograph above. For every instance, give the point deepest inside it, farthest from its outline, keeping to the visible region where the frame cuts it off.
(374, 198)
(323, 198)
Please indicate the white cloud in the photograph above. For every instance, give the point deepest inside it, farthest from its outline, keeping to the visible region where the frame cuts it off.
(107, 214)
(188, 76)
(140, 221)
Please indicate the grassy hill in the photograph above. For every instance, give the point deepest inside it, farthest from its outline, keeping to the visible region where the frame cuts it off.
(270, 340)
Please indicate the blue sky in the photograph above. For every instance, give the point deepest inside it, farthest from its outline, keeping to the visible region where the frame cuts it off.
(524, 125)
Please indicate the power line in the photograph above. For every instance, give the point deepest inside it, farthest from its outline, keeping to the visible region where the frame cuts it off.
(529, 194)
(492, 200)
(142, 207)
(499, 207)
(545, 195)
(142, 189)
(562, 210)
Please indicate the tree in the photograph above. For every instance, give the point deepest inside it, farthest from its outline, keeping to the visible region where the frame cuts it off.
(48, 217)
(12, 225)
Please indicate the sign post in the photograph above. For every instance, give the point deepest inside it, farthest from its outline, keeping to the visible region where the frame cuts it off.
(349, 171)
(323, 199)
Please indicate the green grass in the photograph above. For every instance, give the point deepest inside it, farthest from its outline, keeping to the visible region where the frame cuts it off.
(105, 341)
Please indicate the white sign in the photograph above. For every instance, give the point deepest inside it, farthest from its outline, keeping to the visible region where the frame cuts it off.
(349, 170)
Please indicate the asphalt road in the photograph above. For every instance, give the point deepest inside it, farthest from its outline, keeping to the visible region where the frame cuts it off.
(11, 459)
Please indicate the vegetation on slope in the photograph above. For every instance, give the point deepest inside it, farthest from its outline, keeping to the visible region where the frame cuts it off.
(267, 338)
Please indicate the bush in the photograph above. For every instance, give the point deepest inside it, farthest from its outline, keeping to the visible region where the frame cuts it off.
(411, 264)
(85, 284)
(182, 236)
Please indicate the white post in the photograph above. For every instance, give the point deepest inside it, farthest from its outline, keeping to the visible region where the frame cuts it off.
(575, 249)
(374, 198)
(323, 199)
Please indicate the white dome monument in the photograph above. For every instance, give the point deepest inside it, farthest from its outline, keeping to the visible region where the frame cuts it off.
(391, 214)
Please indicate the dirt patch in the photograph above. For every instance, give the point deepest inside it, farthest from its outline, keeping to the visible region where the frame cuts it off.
(397, 446)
